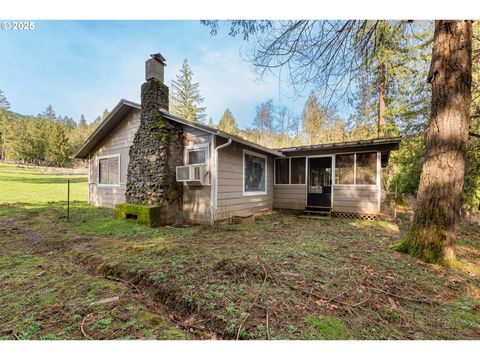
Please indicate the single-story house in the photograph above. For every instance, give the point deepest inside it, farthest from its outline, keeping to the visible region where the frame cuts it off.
(222, 175)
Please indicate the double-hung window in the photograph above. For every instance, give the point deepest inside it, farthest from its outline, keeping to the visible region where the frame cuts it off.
(109, 170)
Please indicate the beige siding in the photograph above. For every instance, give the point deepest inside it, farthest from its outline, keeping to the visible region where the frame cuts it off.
(197, 199)
(117, 142)
(355, 198)
(289, 196)
(230, 198)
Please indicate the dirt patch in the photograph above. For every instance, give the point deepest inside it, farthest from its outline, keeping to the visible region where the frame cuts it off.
(239, 270)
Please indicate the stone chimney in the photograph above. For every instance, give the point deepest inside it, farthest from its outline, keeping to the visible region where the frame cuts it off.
(157, 149)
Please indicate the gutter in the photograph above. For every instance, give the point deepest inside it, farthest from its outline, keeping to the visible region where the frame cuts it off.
(214, 187)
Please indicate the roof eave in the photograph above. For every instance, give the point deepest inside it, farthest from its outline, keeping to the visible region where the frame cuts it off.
(95, 137)
(220, 133)
(344, 145)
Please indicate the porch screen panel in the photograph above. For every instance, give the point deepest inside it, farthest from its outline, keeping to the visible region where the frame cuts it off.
(281, 171)
(298, 170)
(344, 169)
(366, 168)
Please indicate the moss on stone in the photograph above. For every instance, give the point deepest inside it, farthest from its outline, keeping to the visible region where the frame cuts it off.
(161, 128)
(149, 215)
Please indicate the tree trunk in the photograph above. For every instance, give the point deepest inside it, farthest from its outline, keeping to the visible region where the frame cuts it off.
(381, 102)
(432, 234)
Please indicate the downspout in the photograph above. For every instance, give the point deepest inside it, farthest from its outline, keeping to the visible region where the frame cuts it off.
(214, 188)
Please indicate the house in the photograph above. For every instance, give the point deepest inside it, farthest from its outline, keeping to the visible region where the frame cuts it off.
(143, 154)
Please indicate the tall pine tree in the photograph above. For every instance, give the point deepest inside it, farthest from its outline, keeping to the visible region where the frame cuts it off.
(58, 149)
(185, 97)
(228, 123)
(4, 106)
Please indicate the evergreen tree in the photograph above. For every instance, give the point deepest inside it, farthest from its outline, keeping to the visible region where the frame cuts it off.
(228, 123)
(210, 122)
(38, 134)
(105, 114)
(4, 123)
(83, 123)
(58, 149)
(97, 121)
(186, 99)
(48, 113)
(4, 104)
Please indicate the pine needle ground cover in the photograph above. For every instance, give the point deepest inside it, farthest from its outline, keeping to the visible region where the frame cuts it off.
(282, 278)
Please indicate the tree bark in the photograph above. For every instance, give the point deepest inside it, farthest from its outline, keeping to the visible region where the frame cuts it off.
(432, 234)
(381, 102)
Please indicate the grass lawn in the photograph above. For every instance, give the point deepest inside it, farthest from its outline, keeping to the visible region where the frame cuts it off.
(23, 183)
(283, 278)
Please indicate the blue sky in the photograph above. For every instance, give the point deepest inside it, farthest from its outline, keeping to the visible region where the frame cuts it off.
(83, 67)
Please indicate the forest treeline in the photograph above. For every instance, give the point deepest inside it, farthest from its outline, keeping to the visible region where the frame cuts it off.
(44, 139)
(400, 70)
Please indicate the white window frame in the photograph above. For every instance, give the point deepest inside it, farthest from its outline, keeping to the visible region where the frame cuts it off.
(289, 171)
(98, 170)
(355, 169)
(194, 148)
(254, 193)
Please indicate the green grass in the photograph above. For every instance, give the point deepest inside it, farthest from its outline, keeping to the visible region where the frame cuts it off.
(316, 279)
(45, 295)
(328, 328)
(29, 184)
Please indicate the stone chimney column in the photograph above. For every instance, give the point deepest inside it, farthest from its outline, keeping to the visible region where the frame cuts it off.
(157, 149)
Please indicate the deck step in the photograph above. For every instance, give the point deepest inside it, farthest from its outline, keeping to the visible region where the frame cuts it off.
(315, 217)
(317, 213)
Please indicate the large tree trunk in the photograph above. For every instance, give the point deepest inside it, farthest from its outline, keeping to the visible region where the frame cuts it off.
(433, 231)
(381, 102)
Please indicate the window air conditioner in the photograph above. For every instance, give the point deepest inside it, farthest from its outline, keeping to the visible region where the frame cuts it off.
(193, 174)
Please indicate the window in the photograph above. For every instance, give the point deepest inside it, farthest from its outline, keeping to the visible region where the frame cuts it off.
(254, 174)
(344, 169)
(356, 169)
(366, 171)
(290, 171)
(108, 170)
(197, 156)
(298, 170)
(282, 171)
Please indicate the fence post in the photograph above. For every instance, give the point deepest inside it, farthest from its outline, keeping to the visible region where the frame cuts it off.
(68, 199)
(395, 202)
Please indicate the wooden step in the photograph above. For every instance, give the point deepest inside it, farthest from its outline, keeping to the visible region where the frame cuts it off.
(316, 217)
(318, 213)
